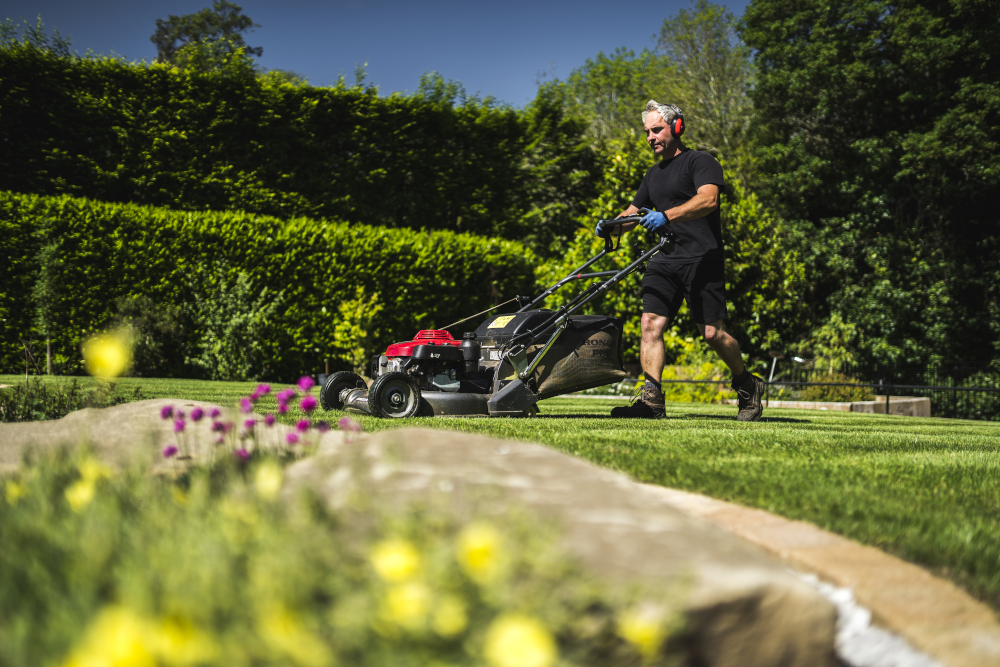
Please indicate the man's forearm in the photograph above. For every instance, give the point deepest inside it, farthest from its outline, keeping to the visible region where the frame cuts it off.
(697, 207)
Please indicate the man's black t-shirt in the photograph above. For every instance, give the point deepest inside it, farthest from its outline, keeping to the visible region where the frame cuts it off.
(673, 182)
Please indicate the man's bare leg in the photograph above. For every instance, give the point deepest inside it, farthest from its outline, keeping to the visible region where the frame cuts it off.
(650, 405)
(651, 352)
(749, 388)
(727, 347)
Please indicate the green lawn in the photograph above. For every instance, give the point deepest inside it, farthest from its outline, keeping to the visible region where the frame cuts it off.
(927, 490)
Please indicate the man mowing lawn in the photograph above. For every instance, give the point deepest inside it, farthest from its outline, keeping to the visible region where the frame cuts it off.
(684, 189)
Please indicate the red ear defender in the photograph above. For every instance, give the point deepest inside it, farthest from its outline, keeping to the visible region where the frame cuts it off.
(677, 127)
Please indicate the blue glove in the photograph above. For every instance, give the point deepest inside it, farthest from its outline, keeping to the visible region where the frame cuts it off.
(653, 221)
(600, 231)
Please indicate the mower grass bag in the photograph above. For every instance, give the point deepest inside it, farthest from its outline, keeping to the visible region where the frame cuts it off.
(586, 355)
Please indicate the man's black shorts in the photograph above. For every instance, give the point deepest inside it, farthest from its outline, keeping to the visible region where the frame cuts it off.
(702, 285)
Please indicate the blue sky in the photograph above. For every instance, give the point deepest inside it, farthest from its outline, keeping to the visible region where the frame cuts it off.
(493, 48)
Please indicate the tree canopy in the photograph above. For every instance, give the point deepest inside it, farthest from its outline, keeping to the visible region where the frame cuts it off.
(221, 26)
(879, 124)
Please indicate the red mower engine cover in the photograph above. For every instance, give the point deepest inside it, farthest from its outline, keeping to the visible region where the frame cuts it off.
(425, 337)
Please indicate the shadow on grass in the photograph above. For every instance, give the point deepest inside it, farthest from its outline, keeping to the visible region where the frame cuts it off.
(773, 420)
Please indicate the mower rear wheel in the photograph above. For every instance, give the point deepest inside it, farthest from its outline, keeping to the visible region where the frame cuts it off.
(329, 395)
(394, 396)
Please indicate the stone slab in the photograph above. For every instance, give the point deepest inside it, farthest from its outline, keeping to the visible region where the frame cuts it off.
(930, 612)
(904, 406)
(745, 609)
(118, 435)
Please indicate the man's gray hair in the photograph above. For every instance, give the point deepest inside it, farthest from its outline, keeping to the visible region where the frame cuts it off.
(667, 111)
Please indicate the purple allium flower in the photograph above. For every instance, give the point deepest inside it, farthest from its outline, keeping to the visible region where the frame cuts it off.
(282, 408)
(348, 424)
(250, 424)
(180, 414)
(263, 389)
(178, 425)
(254, 396)
(218, 426)
(322, 427)
(197, 414)
(214, 414)
(285, 395)
(305, 383)
(245, 405)
(242, 454)
(169, 450)
(269, 419)
(308, 403)
(167, 412)
(292, 438)
(302, 426)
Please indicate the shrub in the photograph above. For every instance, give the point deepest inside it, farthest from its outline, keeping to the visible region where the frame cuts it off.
(235, 324)
(835, 393)
(158, 334)
(108, 251)
(158, 135)
(37, 401)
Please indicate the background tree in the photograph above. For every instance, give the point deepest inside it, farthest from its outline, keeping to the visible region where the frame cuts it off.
(879, 124)
(710, 76)
(223, 25)
(610, 91)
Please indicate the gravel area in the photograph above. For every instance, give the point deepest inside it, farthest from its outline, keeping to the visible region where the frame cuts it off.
(859, 643)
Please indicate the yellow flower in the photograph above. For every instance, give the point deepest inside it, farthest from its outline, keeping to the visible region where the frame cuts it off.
(118, 638)
(407, 605)
(519, 641)
(177, 642)
(449, 617)
(79, 494)
(92, 470)
(395, 560)
(478, 551)
(267, 481)
(107, 355)
(644, 627)
(180, 497)
(284, 632)
(14, 491)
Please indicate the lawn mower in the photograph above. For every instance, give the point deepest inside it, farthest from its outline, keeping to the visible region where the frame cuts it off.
(508, 364)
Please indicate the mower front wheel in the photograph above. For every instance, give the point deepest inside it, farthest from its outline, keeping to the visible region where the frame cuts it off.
(329, 395)
(394, 396)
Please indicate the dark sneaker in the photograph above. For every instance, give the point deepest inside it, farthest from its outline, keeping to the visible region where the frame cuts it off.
(646, 405)
(748, 398)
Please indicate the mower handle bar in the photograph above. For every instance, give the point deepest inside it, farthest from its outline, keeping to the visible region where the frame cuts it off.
(609, 246)
(667, 238)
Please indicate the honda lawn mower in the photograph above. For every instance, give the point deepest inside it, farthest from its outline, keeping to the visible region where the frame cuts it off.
(508, 364)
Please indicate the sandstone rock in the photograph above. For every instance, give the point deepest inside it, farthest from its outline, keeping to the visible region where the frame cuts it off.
(744, 608)
(133, 432)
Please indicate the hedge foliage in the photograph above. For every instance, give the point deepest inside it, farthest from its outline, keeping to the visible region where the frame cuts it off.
(231, 139)
(322, 271)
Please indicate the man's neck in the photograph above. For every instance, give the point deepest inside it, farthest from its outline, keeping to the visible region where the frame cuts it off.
(672, 150)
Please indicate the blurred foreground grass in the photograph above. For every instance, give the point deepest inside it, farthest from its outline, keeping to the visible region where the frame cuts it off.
(926, 490)
(217, 566)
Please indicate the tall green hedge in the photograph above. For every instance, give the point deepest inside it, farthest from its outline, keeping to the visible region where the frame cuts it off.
(157, 135)
(104, 251)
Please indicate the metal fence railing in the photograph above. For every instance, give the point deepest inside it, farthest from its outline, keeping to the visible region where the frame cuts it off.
(956, 391)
